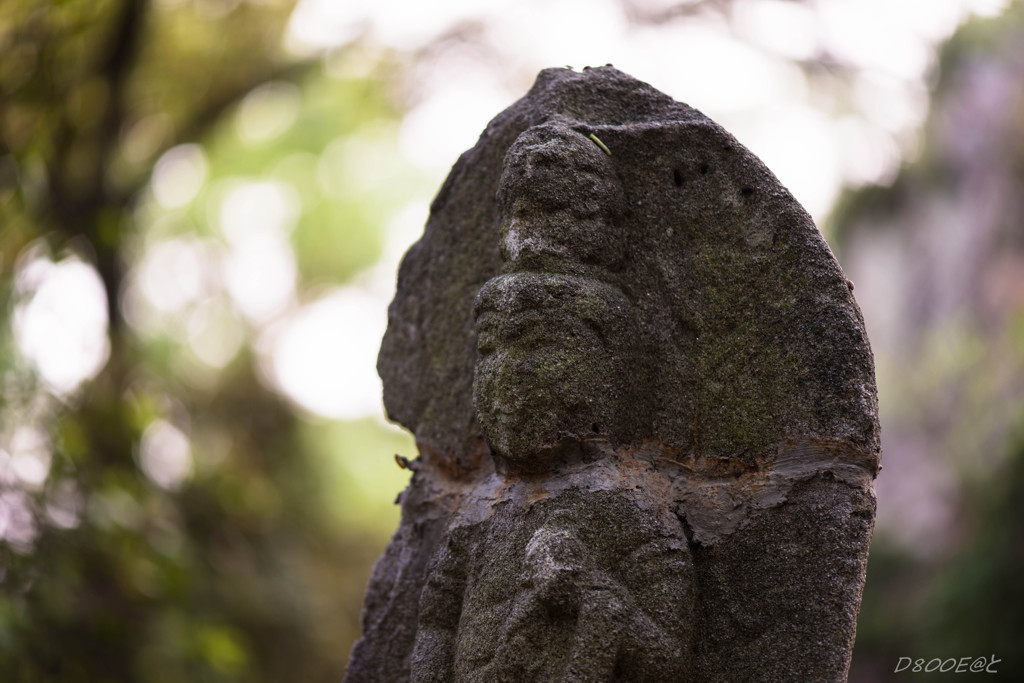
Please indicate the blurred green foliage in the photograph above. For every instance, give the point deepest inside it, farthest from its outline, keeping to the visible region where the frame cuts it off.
(253, 568)
(968, 605)
(951, 375)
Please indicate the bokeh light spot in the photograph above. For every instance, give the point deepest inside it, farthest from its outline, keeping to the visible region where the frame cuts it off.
(324, 357)
(165, 455)
(179, 175)
(268, 111)
(62, 327)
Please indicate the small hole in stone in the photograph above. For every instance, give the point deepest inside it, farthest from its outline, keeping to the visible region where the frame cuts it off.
(704, 168)
(746, 190)
(677, 177)
(596, 427)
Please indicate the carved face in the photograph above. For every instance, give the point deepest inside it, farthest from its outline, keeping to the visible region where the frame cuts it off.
(561, 201)
(553, 334)
(548, 366)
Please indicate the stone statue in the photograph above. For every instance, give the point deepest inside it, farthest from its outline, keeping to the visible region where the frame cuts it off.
(645, 408)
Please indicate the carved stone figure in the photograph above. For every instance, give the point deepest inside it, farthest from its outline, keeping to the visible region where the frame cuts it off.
(556, 338)
(583, 587)
(645, 408)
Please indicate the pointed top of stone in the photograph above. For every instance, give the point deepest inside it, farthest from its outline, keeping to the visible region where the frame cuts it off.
(652, 280)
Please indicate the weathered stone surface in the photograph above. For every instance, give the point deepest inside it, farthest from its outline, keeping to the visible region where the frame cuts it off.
(578, 586)
(645, 407)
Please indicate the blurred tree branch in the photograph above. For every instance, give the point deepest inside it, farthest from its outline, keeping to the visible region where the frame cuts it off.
(69, 120)
(82, 199)
(638, 12)
(823, 65)
(212, 111)
(77, 209)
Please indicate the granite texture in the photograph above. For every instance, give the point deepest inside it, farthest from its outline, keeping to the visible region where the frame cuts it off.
(645, 406)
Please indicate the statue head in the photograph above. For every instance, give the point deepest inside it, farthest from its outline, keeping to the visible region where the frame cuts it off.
(561, 204)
